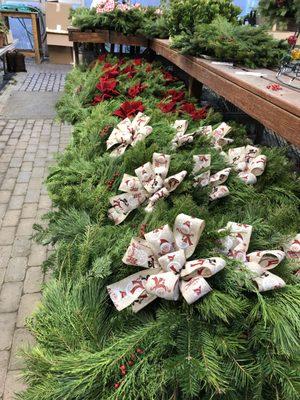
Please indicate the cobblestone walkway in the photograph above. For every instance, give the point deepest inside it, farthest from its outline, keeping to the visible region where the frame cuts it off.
(27, 147)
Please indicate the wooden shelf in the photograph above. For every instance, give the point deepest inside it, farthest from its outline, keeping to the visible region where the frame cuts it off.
(245, 88)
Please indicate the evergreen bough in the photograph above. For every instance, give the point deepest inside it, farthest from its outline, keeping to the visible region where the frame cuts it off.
(233, 344)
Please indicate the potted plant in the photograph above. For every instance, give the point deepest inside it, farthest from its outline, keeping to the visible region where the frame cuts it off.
(3, 33)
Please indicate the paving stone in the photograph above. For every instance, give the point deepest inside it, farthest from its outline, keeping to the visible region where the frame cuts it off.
(20, 189)
(4, 359)
(34, 279)
(8, 184)
(45, 202)
(5, 252)
(16, 269)
(4, 196)
(7, 326)
(13, 384)
(29, 210)
(10, 296)
(25, 227)
(32, 196)
(3, 208)
(37, 255)
(2, 274)
(28, 304)
(7, 235)
(16, 202)
(22, 339)
(11, 218)
(21, 246)
(24, 176)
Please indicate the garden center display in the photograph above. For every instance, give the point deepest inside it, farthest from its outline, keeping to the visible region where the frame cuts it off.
(211, 321)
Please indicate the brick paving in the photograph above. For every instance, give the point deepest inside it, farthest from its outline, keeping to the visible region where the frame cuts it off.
(43, 82)
(27, 148)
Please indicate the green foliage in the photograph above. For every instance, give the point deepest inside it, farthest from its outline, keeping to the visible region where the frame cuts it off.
(185, 16)
(233, 344)
(129, 22)
(275, 11)
(245, 45)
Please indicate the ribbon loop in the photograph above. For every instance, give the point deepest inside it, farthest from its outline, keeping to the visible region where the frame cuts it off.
(149, 183)
(259, 262)
(128, 133)
(217, 135)
(248, 162)
(201, 162)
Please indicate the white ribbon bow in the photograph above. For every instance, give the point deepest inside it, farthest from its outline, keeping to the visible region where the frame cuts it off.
(217, 135)
(203, 161)
(163, 253)
(149, 183)
(248, 161)
(259, 262)
(128, 133)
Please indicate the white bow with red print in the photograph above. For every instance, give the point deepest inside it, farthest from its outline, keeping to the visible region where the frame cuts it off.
(163, 253)
(217, 135)
(236, 244)
(150, 183)
(248, 161)
(202, 162)
(128, 133)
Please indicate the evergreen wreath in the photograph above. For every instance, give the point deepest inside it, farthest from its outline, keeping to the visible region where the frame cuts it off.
(235, 343)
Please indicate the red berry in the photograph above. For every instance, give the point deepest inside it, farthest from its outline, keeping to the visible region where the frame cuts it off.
(122, 367)
(117, 385)
(123, 373)
(139, 351)
(130, 363)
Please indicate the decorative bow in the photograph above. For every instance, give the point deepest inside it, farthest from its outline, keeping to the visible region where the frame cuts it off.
(164, 254)
(150, 183)
(217, 135)
(203, 161)
(259, 262)
(248, 161)
(128, 133)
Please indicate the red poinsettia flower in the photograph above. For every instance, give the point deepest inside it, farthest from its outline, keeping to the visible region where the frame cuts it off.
(129, 109)
(99, 98)
(106, 85)
(137, 61)
(166, 107)
(102, 57)
(177, 95)
(201, 113)
(169, 77)
(136, 89)
(129, 71)
(187, 108)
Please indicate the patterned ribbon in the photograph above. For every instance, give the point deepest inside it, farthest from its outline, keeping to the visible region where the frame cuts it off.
(128, 133)
(236, 244)
(202, 162)
(292, 249)
(217, 135)
(163, 253)
(248, 161)
(150, 183)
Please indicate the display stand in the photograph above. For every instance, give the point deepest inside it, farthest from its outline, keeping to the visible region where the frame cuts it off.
(36, 31)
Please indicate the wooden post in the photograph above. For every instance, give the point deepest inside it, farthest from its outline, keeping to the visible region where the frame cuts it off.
(76, 53)
(195, 88)
(36, 37)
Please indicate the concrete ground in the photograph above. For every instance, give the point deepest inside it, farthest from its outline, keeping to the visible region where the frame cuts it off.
(29, 138)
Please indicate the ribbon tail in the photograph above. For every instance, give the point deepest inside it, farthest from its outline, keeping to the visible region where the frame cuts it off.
(118, 151)
(268, 281)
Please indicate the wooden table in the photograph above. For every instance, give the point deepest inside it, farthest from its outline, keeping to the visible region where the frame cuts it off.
(36, 31)
(278, 111)
(103, 36)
